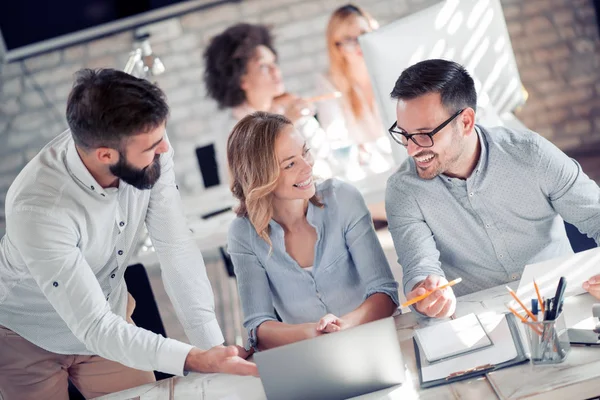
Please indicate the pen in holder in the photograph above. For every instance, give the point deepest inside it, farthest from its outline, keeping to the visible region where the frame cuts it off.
(548, 340)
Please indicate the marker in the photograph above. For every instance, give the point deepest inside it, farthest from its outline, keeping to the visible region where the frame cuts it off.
(535, 310)
(537, 292)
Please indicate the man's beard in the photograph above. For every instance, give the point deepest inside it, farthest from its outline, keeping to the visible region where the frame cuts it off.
(442, 163)
(143, 179)
(433, 170)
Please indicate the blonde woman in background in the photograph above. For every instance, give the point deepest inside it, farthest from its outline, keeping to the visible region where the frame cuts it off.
(354, 115)
(353, 119)
(304, 251)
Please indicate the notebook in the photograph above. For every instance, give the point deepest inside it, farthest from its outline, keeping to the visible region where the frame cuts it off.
(452, 338)
(507, 349)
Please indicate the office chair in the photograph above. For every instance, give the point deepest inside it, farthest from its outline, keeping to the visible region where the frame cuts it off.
(579, 241)
(227, 261)
(146, 314)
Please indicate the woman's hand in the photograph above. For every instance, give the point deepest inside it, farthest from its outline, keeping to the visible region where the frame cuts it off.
(330, 323)
(293, 107)
(243, 353)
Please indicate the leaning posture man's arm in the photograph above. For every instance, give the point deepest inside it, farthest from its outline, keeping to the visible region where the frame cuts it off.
(184, 272)
(48, 246)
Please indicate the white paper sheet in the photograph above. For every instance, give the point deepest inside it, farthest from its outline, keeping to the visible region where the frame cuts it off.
(502, 350)
(451, 338)
(577, 268)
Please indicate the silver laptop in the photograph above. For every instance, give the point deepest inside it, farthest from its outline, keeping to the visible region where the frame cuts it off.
(339, 365)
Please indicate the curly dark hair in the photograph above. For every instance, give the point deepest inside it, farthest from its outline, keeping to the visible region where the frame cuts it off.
(226, 58)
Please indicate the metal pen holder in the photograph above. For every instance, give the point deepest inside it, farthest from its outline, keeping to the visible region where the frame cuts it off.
(548, 340)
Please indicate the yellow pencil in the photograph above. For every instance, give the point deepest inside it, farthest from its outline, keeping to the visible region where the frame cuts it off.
(537, 291)
(514, 295)
(524, 320)
(426, 294)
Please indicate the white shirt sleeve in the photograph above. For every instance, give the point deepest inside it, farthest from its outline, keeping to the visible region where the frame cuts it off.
(48, 246)
(184, 272)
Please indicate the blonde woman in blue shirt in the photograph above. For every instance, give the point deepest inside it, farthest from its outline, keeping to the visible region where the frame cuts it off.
(304, 251)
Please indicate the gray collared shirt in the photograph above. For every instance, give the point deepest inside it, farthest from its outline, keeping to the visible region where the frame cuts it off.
(349, 264)
(506, 215)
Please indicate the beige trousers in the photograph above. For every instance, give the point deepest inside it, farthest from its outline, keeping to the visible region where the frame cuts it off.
(28, 372)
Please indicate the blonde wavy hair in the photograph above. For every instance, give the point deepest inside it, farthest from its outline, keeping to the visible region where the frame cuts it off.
(254, 168)
(338, 67)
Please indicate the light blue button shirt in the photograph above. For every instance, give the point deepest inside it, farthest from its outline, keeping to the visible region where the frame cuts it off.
(349, 264)
(486, 228)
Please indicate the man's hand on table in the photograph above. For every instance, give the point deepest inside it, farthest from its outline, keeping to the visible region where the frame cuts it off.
(223, 359)
(592, 285)
(439, 304)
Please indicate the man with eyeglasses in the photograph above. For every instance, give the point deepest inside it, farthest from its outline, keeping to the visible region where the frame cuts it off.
(475, 202)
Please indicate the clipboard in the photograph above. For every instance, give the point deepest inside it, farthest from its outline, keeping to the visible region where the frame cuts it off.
(480, 368)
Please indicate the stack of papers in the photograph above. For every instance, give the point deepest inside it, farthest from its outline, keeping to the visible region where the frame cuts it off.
(452, 338)
(576, 268)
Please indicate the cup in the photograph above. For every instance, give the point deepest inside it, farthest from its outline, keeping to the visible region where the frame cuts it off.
(548, 340)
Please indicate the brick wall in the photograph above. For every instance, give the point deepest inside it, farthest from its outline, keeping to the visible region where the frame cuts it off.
(558, 53)
(555, 41)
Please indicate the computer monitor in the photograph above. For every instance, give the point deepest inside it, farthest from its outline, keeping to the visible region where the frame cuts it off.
(207, 161)
(470, 32)
(31, 27)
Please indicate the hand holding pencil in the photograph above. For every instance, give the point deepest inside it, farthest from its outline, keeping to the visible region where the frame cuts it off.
(433, 297)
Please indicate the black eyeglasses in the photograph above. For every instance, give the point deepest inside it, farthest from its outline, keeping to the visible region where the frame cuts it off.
(420, 139)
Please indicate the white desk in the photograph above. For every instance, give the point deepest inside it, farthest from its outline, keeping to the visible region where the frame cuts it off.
(576, 378)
